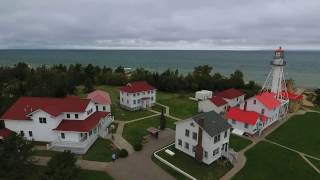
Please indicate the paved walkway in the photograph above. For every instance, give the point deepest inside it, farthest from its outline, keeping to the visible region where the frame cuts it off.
(119, 141)
(167, 112)
(139, 165)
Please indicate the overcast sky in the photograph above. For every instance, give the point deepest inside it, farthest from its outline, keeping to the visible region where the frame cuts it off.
(160, 24)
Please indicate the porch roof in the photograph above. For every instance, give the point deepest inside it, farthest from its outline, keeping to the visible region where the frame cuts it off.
(82, 125)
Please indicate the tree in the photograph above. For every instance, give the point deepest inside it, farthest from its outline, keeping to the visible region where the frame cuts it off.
(62, 166)
(88, 86)
(162, 120)
(317, 100)
(15, 157)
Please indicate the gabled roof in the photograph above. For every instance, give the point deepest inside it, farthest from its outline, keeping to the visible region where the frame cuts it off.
(268, 99)
(218, 101)
(53, 106)
(5, 133)
(100, 97)
(137, 86)
(81, 125)
(291, 95)
(213, 123)
(230, 93)
(249, 117)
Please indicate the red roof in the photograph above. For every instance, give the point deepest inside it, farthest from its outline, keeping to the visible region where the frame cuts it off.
(137, 86)
(230, 93)
(5, 133)
(268, 99)
(249, 117)
(100, 97)
(279, 49)
(54, 106)
(292, 96)
(218, 101)
(82, 125)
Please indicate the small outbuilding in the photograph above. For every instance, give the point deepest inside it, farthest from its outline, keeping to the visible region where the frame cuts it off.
(203, 95)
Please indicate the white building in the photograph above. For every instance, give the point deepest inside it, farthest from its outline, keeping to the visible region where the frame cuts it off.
(203, 95)
(222, 101)
(216, 104)
(101, 100)
(256, 114)
(137, 95)
(204, 137)
(67, 123)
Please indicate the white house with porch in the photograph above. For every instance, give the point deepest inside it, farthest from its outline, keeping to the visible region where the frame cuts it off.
(67, 123)
(204, 137)
(137, 95)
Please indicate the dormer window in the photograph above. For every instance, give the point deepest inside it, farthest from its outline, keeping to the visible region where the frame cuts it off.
(42, 120)
(254, 101)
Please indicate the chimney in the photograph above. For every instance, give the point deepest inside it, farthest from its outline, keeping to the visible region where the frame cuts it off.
(245, 106)
(199, 148)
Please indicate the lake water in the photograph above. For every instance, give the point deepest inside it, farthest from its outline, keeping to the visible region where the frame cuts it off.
(302, 66)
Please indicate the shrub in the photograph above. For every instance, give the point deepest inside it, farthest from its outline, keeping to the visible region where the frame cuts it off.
(123, 153)
(137, 147)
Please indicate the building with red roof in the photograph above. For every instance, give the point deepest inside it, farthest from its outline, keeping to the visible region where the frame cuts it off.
(137, 95)
(221, 101)
(69, 123)
(101, 99)
(4, 133)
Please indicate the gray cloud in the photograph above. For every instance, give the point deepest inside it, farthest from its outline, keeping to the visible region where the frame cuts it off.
(165, 24)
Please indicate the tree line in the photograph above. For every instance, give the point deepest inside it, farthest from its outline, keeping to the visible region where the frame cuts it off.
(61, 80)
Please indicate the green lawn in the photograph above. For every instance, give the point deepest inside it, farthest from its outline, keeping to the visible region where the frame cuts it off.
(301, 133)
(317, 109)
(45, 153)
(238, 143)
(134, 132)
(94, 175)
(101, 150)
(268, 161)
(118, 112)
(315, 162)
(198, 170)
(180, 104)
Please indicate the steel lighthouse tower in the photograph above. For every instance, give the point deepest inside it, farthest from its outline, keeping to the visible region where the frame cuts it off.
(276, 82)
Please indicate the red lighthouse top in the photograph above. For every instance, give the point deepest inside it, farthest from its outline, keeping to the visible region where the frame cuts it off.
(279, 49)
(279, 53)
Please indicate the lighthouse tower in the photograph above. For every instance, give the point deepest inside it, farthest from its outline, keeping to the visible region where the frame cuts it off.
(275, 81)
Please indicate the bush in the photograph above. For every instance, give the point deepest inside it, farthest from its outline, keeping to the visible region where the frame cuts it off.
(123, 153)
(137, 147)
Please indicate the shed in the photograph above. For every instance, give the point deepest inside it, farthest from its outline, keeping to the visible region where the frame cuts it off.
(203, 95)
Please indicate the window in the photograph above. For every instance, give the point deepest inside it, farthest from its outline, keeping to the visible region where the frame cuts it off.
(246, 125)
(194, 136)
(226, 134)
(89, 111)
(193, 149)
(187, 133)
(233, 121)
(104, 108)
(30, 133)
(121, 99)
(134, 101)
(22, 133)
(186, 145)
(151, 98)
(62, 136)
(42, 120)
(262, 111)
(134, 94)
(127, 101)
(215, 152)
(179, 142)
(76, 116)
(216, 138)
(205, 154)
(68, 115)
(254, 101)
(90, 132)
(97, 108)
(138, 94)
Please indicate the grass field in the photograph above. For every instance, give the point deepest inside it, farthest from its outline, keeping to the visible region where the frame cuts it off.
(267, 161)
(198, 170)
(117, 111)
(301, 133)
(180, 104)
(238, 143)
(101, 150)
(134, 132)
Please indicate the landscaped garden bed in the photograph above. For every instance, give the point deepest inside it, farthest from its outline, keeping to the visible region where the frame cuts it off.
(192, 167)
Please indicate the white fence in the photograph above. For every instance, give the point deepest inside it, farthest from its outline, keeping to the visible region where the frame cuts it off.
(171, 165)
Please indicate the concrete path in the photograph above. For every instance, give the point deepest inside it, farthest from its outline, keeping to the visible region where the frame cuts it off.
(310, 163)
(119, 141)
(139, 165)
(167, 112)
(142, 118)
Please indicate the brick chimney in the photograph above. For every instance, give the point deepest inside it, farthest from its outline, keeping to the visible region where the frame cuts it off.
(245, 106)
(199, 148)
